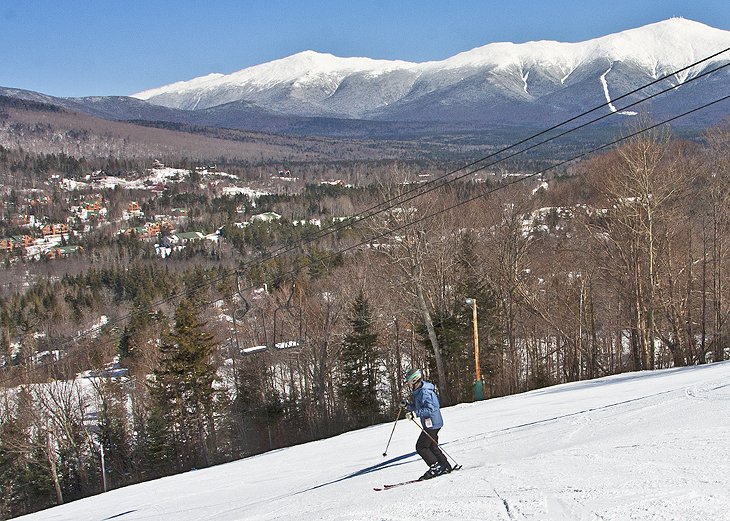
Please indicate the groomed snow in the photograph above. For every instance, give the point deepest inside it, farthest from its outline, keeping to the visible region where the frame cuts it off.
(637, 446)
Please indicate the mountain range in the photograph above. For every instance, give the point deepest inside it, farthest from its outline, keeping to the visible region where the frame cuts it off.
(534, 84)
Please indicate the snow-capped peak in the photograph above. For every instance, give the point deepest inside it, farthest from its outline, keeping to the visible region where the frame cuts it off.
(311, 83)
(297, 67)
(671, 43)
(180, 86)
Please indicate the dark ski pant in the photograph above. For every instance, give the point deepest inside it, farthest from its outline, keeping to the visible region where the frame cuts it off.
(428, 448)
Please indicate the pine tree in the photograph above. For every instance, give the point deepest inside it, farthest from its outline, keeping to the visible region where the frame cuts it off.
(24, 477)
(360, 364)
(183, 392)
(157, 440)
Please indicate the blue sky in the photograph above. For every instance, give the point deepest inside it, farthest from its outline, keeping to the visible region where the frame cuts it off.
(104, 47)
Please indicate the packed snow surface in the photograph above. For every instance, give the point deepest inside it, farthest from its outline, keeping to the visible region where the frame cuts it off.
(637, 446)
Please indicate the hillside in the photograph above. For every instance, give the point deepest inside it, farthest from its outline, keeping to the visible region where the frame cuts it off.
(646, 445)
(41, 124)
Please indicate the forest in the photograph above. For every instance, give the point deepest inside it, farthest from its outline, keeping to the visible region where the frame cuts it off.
(119, 367)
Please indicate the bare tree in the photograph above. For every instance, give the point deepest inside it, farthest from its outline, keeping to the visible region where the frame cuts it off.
(416, 247)
(640, 186)
(719, 216)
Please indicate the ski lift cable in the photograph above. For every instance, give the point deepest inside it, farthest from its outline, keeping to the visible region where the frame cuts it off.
(431, 185)
(365, 215)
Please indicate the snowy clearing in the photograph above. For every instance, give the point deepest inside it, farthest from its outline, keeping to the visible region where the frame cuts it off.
(643, 446)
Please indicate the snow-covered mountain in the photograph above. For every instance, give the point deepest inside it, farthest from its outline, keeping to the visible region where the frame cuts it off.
(648, 445)
(510, 83)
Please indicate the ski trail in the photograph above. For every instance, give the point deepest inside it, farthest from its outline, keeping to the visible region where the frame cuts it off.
(524, 81)
(608, 96)
(512, 513)
(605, 89)
(637, 446)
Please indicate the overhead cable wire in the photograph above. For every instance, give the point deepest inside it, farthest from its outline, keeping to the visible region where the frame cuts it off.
(430, 186)
(423, 188)
(459, 204)
(377, 209)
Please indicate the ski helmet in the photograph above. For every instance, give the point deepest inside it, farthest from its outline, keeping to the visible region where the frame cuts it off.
(413, 378)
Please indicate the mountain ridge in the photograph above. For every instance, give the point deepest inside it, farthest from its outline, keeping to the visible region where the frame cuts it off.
(496, 86)
(312, 84)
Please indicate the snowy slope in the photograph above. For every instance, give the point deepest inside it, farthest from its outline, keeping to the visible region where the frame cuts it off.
(644, 446)
(518, 79)
(659, 47)
(305, 77)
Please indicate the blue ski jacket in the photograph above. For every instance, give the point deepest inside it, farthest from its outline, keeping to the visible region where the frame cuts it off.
(426, 406)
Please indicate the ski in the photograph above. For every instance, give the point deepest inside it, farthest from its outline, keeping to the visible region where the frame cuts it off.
(394, 485)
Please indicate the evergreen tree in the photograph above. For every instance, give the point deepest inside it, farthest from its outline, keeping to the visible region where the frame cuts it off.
(360, 364)
(183, 392)
(24, 476)
(157, 441)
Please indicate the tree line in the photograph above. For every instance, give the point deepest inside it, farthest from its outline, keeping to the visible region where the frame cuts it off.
(619, 265)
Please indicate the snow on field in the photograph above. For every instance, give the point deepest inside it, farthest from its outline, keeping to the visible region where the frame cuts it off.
(250, 192)
(637, 446)
(159, 175)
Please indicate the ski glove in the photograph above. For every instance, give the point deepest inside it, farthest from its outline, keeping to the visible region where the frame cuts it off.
(411, 415)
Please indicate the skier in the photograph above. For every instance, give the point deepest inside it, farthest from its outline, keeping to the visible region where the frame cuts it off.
(424, 404)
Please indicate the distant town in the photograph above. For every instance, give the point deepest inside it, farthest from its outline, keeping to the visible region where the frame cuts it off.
(80, 207)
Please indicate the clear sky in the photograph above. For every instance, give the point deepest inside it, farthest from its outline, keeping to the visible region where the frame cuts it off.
(119, 47)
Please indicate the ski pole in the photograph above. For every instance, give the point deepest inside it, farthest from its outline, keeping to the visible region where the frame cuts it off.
(400, 410)
(437, 443)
